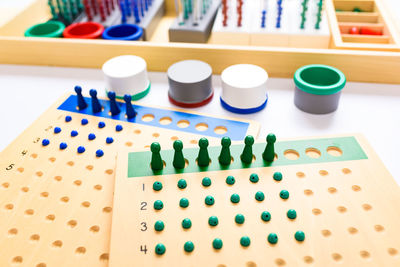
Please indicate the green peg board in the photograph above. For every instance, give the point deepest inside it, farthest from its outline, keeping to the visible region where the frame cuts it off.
(323, 201)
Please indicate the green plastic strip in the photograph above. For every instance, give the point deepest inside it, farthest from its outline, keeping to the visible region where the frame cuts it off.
(137, 96)
(139, 162)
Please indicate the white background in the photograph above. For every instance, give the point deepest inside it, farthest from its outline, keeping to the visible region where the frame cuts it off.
(371, 109)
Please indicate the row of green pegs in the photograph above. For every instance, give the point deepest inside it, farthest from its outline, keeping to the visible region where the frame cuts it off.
(217, 243)
(203, 159)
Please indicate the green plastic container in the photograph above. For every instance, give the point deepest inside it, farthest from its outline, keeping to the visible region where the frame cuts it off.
(50, 29)
(318, 88)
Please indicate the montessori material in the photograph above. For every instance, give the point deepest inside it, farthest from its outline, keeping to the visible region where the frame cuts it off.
(318, 88)
(300, 23)
(244, 88)
(84, 30)
(195, 19)
(50, 29)
(321, 201)
(190, 83)
(57, 178)
(127, 74)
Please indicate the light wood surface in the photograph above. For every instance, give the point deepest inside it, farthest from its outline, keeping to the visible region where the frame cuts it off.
(56, 206)
(348, 210)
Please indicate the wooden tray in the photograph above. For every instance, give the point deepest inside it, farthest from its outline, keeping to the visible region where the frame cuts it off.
(374, 17)
(358, 65)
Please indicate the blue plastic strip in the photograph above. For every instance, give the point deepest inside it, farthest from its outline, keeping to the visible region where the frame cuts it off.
(236, 130)
(243, 110)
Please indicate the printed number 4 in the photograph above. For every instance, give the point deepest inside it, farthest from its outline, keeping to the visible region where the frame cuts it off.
(143, 249)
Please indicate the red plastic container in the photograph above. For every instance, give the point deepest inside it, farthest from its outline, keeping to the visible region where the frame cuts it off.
(84, 30)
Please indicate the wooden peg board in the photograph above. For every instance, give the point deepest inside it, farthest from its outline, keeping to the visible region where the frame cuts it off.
(346, 201)
(56, 205)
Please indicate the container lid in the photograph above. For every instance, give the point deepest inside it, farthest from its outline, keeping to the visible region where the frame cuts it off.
(319, 79)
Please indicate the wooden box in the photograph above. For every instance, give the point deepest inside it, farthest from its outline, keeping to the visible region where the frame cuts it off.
(362, 65)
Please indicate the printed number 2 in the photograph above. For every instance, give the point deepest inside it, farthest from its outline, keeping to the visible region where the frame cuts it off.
(143, 248)
(143, 206)
(144, 227)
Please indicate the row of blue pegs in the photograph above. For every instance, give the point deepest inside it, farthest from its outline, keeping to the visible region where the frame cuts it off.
(135, 7)
(96, 106)
(80, 149)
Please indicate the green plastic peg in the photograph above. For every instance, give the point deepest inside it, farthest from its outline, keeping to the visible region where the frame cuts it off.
(245, 241)
(186, 223)
(225, 155)
(213, 221)
(158, 205)
(159, 226)
(206, 182)
(217, 243)
(247, 154)
(156, 161)
(266, 216)
(273, 238)
(235, 198)
(260, 196)
(291, 214)
(299, 236)
(160, 249)
(230, 180)
(284, 194)
(277, 176)
(184, 203)
(179, 160)
(269, 152)
(203, 159)
(209, 200)
(254, 178)
(182, 184)
(239, 218)
(157, 186)
(189, 246)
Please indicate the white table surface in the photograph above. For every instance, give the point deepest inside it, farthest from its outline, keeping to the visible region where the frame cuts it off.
(370, 109)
